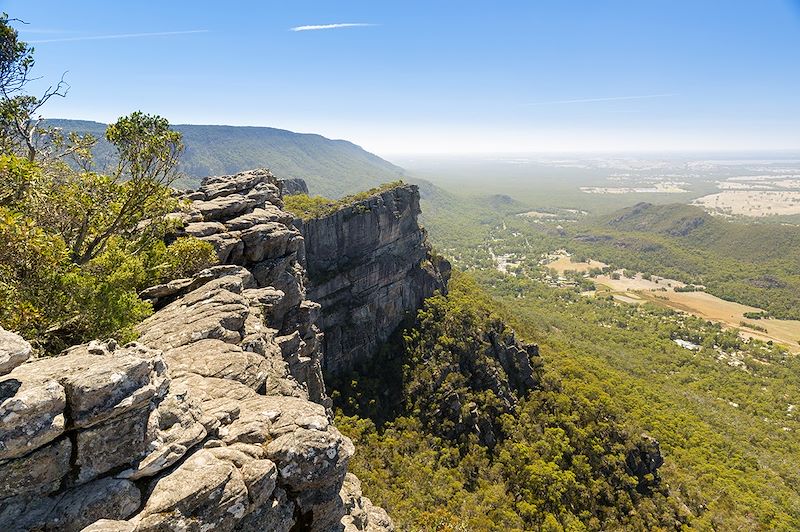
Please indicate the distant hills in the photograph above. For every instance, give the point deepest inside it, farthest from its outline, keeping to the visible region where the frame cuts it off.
(691, 225)
(753, 264)
(331, 168)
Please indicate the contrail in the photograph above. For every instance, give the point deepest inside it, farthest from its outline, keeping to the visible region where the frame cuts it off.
(118, 36)
(331, 26)
(609, 99)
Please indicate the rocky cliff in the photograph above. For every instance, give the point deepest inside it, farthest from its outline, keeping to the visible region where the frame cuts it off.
(215, 419)
(369, 265)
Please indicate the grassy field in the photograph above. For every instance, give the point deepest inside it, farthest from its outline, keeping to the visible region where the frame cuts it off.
(700, 304)
(564, 263)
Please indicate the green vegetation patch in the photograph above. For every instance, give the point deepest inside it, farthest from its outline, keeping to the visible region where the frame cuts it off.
(310, 207)
(558, 460)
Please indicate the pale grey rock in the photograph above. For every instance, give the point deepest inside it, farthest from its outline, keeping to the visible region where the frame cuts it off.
(199, 229)
(269, 241)
(166, 289)
(213, 489)
(173, 428)
(226, 185)
(110, 525)
(277, 515)
(14, 350)
(262, 215)
(227, 245)
(215, 358)
(102, 387)
(38, 472)
(216, 310)
(369, 265)
(162, 294)
(293, 185)
(110, 445)
(360, 514)
(225, 207)
(31, 411)
(74, 509)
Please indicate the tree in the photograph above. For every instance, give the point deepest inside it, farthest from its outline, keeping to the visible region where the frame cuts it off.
(20, 121)
(77, 245)
(133, 202)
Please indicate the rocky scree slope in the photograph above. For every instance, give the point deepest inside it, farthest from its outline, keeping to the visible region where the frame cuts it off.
(215, 419)
(369, 266)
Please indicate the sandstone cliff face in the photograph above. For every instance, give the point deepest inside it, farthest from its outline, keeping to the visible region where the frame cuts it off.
(215, 419)
(369, 264)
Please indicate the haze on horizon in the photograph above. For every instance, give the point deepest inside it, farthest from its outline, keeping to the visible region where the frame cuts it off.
(581, 76)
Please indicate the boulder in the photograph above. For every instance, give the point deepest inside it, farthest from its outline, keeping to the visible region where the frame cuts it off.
(14, 350)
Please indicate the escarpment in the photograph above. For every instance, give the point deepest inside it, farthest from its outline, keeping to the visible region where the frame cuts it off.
(369, 266)
(215, 419)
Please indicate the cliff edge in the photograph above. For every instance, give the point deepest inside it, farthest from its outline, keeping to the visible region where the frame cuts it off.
(215, 419)
(369, 265)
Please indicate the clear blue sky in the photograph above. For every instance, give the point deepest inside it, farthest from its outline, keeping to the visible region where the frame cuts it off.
(438, 76)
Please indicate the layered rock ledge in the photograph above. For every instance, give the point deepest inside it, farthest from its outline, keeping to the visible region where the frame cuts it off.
(215, 419)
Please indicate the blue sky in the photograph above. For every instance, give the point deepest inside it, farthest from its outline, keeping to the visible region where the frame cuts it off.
(438, 77)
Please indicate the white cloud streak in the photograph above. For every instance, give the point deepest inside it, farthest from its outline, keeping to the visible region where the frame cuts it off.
(117, 36)
(316, 27)
(609, 99)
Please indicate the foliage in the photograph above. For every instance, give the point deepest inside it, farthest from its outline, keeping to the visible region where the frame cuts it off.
(559, 461)
(29, 261)
(721, 413)
(187, 256)
(78, 245)
(310, 207)
(57, 296)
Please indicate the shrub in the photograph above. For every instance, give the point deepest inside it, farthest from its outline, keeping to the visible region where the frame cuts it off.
(187, 256)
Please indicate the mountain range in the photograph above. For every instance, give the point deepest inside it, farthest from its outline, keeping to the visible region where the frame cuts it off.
(331, 168)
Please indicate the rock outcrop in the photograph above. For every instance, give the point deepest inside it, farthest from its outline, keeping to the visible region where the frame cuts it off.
(215, 419)
(454, 405)
(293, 185)
(369, 266)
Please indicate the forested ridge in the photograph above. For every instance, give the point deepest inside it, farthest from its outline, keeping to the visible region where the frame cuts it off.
(330, 167)
(610, 373)
(564, 456)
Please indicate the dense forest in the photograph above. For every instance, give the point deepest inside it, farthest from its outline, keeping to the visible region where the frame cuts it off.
(723, 416)
(560, 455)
